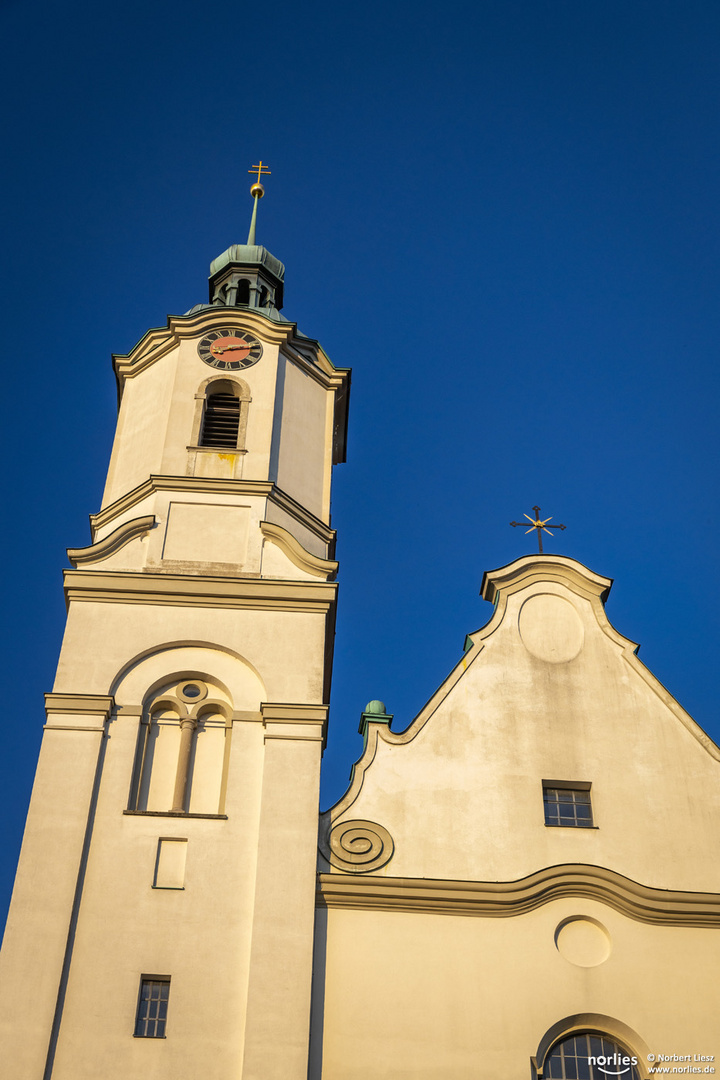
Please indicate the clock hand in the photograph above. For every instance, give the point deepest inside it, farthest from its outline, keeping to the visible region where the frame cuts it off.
(217, 349)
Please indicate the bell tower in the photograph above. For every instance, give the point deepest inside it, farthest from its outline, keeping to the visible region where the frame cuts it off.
(161, 922)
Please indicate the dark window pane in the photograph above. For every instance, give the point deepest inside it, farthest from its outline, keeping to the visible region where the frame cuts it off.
(152, 1008)
(567, 807)
(570, 1059)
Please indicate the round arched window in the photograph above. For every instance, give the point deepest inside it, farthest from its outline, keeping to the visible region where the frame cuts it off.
(590, 1057)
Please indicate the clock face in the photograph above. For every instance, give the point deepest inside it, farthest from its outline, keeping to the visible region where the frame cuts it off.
(229, 350)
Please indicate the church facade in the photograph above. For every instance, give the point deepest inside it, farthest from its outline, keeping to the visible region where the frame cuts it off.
(523, 883)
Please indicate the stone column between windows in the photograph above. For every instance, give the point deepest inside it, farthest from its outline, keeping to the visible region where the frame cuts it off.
(187, 729)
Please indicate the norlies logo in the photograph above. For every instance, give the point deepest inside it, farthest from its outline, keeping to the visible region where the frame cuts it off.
(622, 1063)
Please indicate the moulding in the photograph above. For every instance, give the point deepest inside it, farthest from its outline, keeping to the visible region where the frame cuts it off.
(293, 713)
(158, 341)
(278, 716)
(502, 899)
(260, 488)
(224, 451)
(173, 814)
(175, 590)
(248, 716)
(296, 553)
(82, 704)
(298, 511)
(113, 542)
(72, 727)
(271, 736)
(531, 568)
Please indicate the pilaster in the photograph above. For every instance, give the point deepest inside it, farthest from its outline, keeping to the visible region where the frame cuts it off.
(44, 904)
(278, 1012)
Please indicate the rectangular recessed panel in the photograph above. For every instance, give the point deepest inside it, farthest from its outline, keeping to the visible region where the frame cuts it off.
(203, 532)
(170, 864)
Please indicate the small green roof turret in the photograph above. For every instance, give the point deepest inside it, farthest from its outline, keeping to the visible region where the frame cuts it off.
(248, 275)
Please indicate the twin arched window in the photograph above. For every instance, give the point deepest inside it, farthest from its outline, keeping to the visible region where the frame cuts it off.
(183, 750)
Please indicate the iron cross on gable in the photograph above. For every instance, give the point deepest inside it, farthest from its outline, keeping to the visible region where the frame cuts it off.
(539, 525)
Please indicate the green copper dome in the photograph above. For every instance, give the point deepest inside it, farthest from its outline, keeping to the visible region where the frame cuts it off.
(245, 255)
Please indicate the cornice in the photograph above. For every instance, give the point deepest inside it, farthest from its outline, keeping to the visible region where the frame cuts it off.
(295, 722)
(158, 341)
(202, 485)
(296, 553)
(286, 502)
(99, 705)
(179, 590)
(503, 899)
(263, 489)
(113, 542)
(533, 568)
(293, 712)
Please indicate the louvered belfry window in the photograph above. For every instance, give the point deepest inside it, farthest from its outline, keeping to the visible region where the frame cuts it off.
(221, 421)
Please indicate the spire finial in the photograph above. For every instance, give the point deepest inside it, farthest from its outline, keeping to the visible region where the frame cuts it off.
(257, 191)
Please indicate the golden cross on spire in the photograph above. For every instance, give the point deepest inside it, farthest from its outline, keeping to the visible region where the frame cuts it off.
(539, 525)
(260, 169)
(257, 191)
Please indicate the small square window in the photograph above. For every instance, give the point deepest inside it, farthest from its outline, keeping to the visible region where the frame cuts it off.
(567, 804)
(152, 1007)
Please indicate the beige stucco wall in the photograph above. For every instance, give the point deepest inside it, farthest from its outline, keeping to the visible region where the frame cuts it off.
(302, 436)
(432, 996)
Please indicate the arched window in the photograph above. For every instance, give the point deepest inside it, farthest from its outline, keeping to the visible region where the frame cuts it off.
(221, 421)
(263, 296)
(589, 1056)
(182, 750)
(243, 291)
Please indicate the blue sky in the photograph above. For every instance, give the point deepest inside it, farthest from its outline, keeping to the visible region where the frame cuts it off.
(503, 216)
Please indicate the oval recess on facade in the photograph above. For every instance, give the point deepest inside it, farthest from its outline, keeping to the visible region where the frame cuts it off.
(583, 941)
(550, 628)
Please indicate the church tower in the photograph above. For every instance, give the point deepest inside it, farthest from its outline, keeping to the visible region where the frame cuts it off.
(167, 876)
